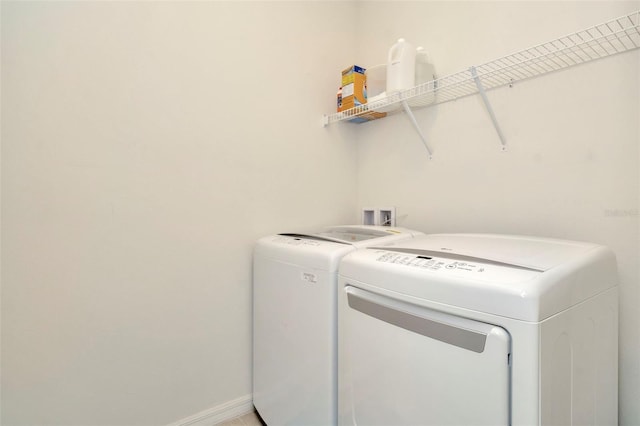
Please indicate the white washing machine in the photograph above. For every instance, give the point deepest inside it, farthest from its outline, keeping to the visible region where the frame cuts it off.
(295, 321)
(478, 330)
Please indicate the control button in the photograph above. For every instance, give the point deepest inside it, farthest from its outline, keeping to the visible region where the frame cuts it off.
(451, 266)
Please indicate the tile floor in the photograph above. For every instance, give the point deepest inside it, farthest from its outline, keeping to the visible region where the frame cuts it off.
(250, 419)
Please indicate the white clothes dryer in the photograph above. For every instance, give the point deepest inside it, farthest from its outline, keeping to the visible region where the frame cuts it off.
(295, 320)
(478, 330)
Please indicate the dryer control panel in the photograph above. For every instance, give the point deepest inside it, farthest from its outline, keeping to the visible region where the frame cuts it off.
(456, 265)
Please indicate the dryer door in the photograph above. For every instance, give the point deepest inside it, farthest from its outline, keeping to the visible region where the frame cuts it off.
(403, 364)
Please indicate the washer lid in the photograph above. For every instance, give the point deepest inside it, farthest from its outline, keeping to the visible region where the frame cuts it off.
(323, 249)
(358, 235)
(303, 251)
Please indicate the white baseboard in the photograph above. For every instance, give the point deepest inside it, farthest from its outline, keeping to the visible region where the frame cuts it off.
(221, 413)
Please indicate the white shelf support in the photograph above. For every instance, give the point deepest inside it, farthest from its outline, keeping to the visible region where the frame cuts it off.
(487, 104)
(409, 113)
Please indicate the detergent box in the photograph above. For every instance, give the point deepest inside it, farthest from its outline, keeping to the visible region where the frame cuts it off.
(354, 91)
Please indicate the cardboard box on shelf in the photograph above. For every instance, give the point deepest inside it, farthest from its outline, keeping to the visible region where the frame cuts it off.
(354, 84)
(367, 116)
(353, 93)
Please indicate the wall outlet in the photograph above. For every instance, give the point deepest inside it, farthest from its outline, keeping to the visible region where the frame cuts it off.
(381, 216)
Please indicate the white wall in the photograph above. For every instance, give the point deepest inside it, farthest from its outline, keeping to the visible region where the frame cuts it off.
(571, 169)
(145, 147)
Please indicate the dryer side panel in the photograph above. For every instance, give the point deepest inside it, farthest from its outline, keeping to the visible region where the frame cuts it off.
(402, 364)
(579, 364)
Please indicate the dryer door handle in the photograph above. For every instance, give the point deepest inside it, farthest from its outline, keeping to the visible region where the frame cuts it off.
(417, 319)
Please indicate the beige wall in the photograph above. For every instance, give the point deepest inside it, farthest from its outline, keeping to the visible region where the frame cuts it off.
(571, 169)
(145, 147)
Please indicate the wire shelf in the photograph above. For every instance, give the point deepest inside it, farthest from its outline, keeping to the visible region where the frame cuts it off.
(609, 38)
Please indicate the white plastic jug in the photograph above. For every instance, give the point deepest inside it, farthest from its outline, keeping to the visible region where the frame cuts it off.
(425, 71)
(401, 66)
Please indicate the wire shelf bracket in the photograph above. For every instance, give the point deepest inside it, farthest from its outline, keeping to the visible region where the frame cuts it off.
(487, 104)
(609, 38)
(412, 118)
